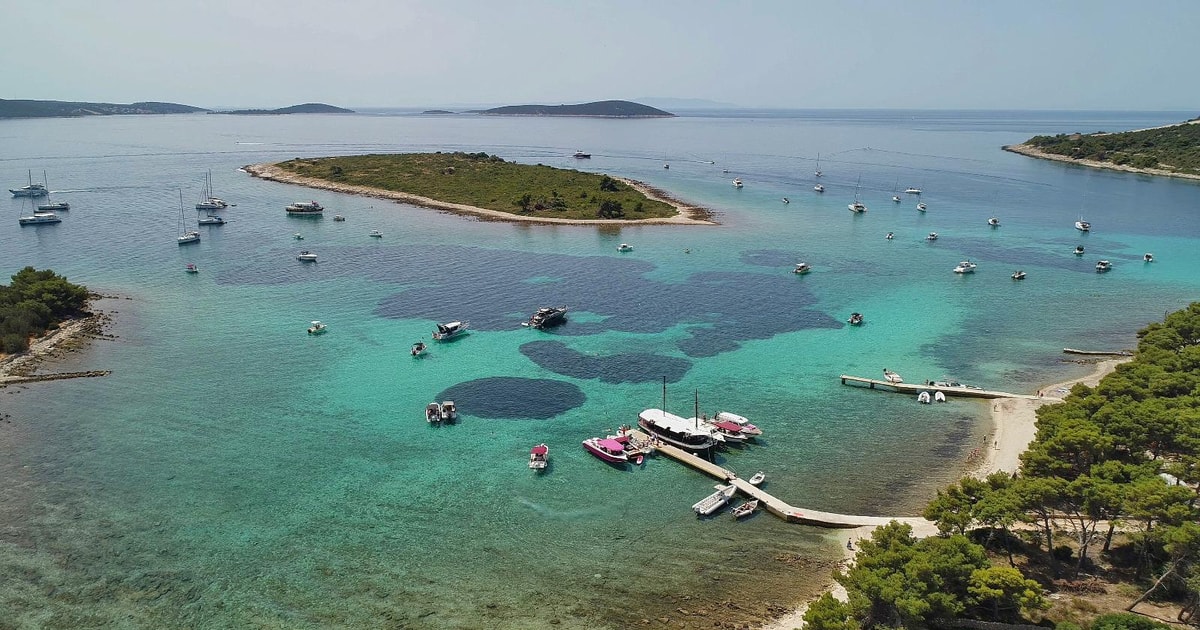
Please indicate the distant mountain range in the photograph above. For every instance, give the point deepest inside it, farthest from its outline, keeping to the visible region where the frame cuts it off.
(65, 109)
(306, 108)
(599, 109)
(70, 109)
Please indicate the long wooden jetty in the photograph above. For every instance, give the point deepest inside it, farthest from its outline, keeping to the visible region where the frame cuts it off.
(917, 388)
(1099, 353)
(773, 504)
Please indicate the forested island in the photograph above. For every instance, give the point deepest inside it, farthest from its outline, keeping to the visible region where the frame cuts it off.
(1173, 150)
(72, 109)
(1102, 517)
(304, 108)
(34, 302)
(598, 109)
(486, 185)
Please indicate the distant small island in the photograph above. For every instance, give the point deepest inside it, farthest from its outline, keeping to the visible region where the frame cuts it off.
(488, 186)
(1171, 150)
(436, 112)
(598, 109)
(305, 108)
(73, 109)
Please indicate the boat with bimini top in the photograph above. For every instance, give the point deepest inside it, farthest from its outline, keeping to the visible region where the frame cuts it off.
(745, 509)
(539, 457)
(449, 330)
(606, 449)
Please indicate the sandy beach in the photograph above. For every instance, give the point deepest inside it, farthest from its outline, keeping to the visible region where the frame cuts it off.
(1014, 425)
(1034, 152)
(687, 214)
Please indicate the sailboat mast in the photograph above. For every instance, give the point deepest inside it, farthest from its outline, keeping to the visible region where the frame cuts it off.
(696, 413)
(664, 403)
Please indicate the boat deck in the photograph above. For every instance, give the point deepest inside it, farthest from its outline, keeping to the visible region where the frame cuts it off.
(916, 388)
(773, 504)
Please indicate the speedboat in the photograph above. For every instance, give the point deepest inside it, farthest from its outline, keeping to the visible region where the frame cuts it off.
(912, 191)
(191, 268)
(316, 328)
(745, 509)
(547, 316)
(433, 413)
(667, 166)
(375, 234)
(921, 206)
(802, 268)
(856, 319)
(306, 256)
(895, 198)
(449, 330)
(737, 183)
(676, 431)
(39, 218)
(418, 349)
(994, 222)
(53, 207)
(1083, 226)
(1018, 275)
(924, 398)
(539, 457)
(890, 236)
(1148, 257)
(580, 155)
(449, 412)
(191, 236)
(32, 190)
(338, 217)
(1079, 250)
(305, 207)
(211, 219)
(965, 266)
(786, 200)
(747, 428)
(606, 449)
(757, 479)
(298, 236)
(819, 188)
(932, 236)
(624, 247)
(891, 376)
(714, 501)
(1103, 266)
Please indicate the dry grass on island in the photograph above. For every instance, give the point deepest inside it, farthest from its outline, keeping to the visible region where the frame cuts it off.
(488, 186)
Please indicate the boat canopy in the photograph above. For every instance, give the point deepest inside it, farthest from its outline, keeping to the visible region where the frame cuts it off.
(728, 426)
(540, 449)
(610, 444)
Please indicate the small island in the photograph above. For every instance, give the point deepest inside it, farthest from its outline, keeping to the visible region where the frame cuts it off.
(1171, 150)
(598, 109)
(488, 186)
(73, 109)
(304, 108)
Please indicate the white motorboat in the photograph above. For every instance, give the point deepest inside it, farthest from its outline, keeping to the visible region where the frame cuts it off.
(211, 219)
(1083, 226)
(891, 376)
(450, 330)
(924, 398)
(539, 457)
(191, 268)
(338, 217)
(298, 236)
(922, 207)
(433, 413)
(32, 190)
(747, 428)
(1079, 250)
(1018, 275)
(316, 327)
(786, 200)
(724, 430)
(305, 207)
(912, 191)
(994, 222)
(1103, 266)
(965, 266)
(745, 509)
(819, 188)
(547, 317)
(802, 268)
(449, 412)
(624, 247)
(758, 478)
(375, 234)
(856, 319)
(1148, 257)
(418, 349)
(39, 218)
(895, 198)
(580, 155)
(933, 236)
(714, 501)
(737, 182)
(306, 256)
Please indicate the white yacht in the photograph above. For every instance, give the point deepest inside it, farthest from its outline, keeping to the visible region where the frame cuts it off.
(922, 207)
(191, 236)
(306, 256)
(305, 207)
(737, 182)
(933, 236)
(32, 190)
(375, 234)
(965, 266)
(912, 191)
(624, 247)
(1103, 266)
(819, 188)
(994, 222)
(450, 330)
(211, 219)
(802, 268)
(1083, 226)
(207, 200)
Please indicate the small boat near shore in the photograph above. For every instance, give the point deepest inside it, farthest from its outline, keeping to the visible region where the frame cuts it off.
(316, 327)
(624, 247)
(819, 188)
(375, 234)
(922, 207)
(580, 155)
(1148, 257)
(745, 509)
(891, 376)
(305, 207)
(450, 330)
(758, 478)
(191, 268)
(933, 236)
(539, 457)
(1079, 250)
(994, 222)
(737, 182)
(606, 449)
(924, 398)
(714, 501)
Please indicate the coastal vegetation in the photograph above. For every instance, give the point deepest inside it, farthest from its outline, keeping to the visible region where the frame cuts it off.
(34, 302)
(69, 109)
(598, 109)
(488, 181)
(304, 108)
(1174, 148)
(1104, 507)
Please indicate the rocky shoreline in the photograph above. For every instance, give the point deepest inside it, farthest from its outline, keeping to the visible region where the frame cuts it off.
(1034, 152)
(688, 214)
(69, 336)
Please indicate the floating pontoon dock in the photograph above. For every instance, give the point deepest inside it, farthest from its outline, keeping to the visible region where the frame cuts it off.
(917, 388)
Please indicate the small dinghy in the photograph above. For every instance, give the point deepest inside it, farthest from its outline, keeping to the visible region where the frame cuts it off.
(891, 376)
(924, 398)
(1018, 275)
(745, 509)
(758, 478)
(939, 397)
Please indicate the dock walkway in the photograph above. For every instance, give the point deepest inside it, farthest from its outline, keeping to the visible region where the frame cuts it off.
(917, 388)
(773, 504)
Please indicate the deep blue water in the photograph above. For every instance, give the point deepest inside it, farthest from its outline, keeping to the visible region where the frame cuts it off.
(234, 471)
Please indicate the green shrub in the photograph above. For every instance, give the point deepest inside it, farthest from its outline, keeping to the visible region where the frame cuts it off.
(1126, 621)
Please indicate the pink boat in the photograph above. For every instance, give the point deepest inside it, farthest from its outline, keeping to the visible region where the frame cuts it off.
(606, 449)
(747, 428)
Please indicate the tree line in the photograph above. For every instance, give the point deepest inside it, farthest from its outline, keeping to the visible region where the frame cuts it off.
(1113, 470)
(1175, 148)
(32, 303)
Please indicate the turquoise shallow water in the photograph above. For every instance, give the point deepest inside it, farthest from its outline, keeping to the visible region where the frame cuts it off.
(233, 471)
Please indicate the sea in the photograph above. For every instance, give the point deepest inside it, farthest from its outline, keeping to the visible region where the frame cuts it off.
(233, 471)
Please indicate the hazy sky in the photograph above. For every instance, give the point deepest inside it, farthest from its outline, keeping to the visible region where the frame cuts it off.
(1047, 54)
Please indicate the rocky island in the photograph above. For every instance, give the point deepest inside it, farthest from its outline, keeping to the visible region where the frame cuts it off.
(598, 109)
(305, 108)
(488, 186)
(72, 109)
(1171, 150)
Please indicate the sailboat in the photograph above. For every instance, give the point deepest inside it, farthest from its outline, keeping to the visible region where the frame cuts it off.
(32, 190)
(818, 171)
(188, 236)
(895, 197)
(207, 200)
(857, 207)
(51, 206)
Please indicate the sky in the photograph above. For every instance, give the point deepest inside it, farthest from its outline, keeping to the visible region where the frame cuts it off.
(798, 54)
